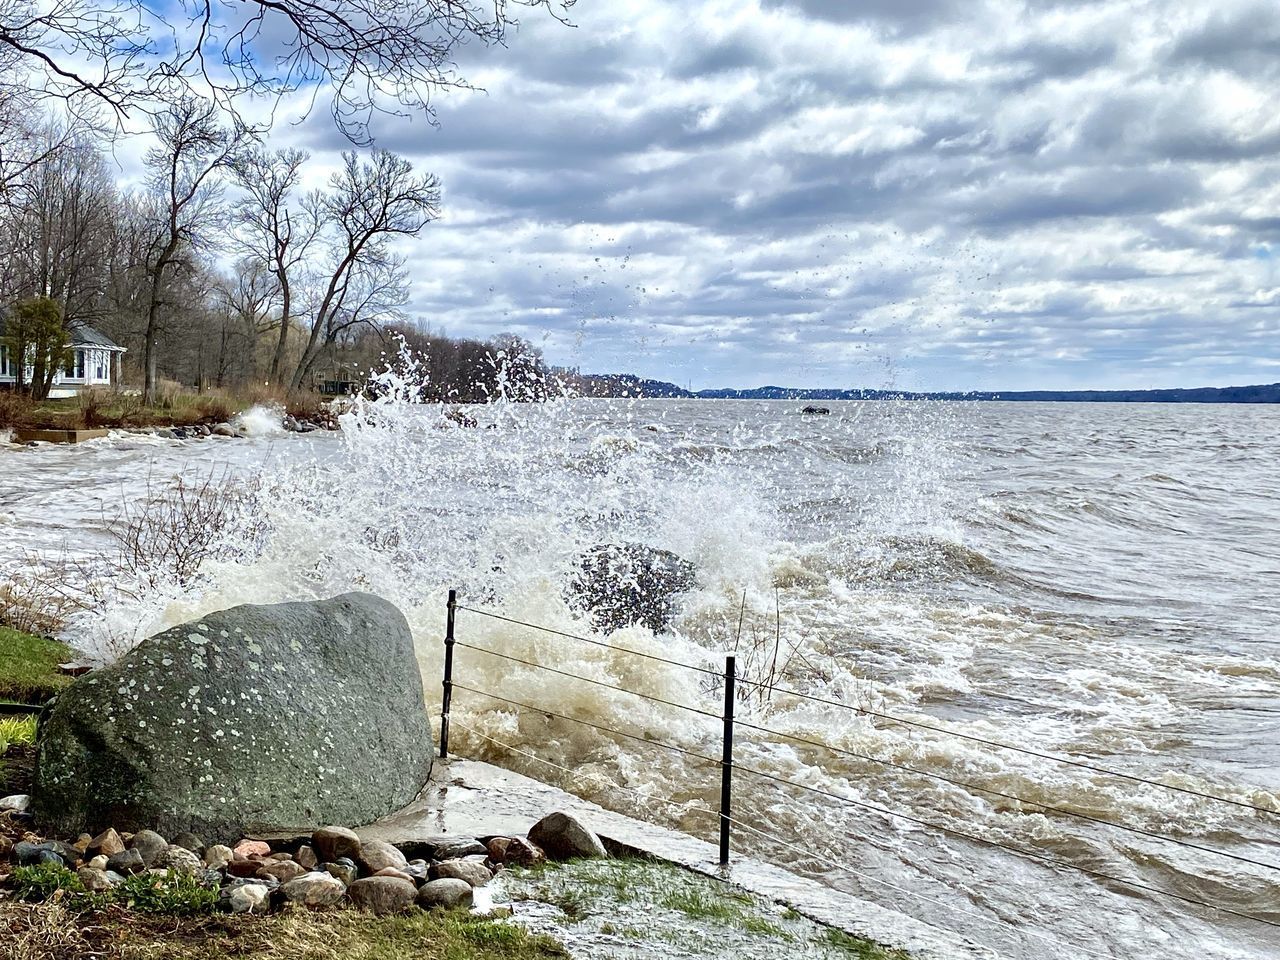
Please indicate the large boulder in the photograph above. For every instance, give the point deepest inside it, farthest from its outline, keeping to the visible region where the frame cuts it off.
(621, 585)
(254, 719)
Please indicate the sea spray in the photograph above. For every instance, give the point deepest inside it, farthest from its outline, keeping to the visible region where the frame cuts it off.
(841, 542)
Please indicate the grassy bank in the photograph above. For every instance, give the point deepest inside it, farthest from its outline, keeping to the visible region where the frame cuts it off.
(29, 667)
(100, 409)
(48, 931)
(624, 908)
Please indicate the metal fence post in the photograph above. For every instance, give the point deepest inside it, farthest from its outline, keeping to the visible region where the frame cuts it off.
(447, 700)
(726, 762)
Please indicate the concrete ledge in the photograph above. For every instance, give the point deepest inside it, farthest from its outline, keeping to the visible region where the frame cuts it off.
(58, 436)
(469, 798)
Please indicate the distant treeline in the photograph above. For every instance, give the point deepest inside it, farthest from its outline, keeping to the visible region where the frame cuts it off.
(627, 385)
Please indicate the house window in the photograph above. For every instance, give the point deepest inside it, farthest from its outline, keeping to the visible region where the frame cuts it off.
(101, 365)
(5, 371)
(75, 365)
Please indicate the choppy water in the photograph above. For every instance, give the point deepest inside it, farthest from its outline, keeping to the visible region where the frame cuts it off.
(1098, 580)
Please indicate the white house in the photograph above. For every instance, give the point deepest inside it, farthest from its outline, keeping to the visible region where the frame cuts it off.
(94, 362)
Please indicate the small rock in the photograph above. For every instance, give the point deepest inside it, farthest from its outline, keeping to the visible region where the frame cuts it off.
(419, 871)
(108, 843)
(218, 856)
(515, 850)
(383, 895)
(344, 871)
(18, 802)
(378, 855)
(82, 842)
(149, 845)
(244, 868)
(393, 872)
(334, 843)
(98, 863)
(315, 890)
(282, 870)
(95, 880)
(189, 841)
(475, 874)
(448, 894)
(223, 430)
(126, 862)
(563, 837)
(249, 898)
(28, 854)
(281, 856)
(179, 860)
(455, 848)
(307, 857)
(251, 848)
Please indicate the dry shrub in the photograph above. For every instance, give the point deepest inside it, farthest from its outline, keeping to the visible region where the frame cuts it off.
(38, 594)
(167, 535)
(15, 409)
(90, 404)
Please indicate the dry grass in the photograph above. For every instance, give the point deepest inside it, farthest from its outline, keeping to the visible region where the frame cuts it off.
(37, 594)
(166, 535)
(51, 932)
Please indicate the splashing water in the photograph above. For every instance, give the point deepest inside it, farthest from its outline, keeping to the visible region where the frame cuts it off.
(261, 421)
(968, 567)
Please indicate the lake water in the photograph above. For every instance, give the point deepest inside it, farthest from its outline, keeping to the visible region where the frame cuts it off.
(1098, 581)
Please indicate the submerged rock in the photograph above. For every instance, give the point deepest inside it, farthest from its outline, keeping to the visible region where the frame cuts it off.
(621, 585)
(250, 720)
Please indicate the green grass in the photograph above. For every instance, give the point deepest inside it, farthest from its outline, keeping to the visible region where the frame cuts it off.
(51, 932)
(29, 667)
(658, 904)
(20, 731)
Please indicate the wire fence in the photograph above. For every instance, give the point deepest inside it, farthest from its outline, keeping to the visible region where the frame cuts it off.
(729, 681)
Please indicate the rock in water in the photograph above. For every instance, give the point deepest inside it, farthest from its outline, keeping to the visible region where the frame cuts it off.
(563, 837)
(254, 719)
(627, 584)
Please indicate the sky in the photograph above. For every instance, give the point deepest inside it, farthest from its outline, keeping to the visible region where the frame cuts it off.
(924, 194)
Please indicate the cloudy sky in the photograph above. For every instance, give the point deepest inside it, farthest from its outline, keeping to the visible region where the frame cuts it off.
(940, 194)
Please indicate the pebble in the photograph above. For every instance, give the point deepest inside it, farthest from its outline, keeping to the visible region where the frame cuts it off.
(178, 859)
(126, 862)
(398, 874)
(282, 870)
(447, 893)
(98, 863)
(107, 843)
(307, 857)
(346, 872)
(149, 845)
(383, 895)
(455, 848)
(335, 843)
(249, 898)
(472, 873)
(218, 856)
(251, 848)
(314, 890)
(563, 837)
(378, 855)
(189, 841)
(244, 868)
(515, 850)
(95, 880)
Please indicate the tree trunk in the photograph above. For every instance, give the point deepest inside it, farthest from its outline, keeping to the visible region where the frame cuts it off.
(277, 362)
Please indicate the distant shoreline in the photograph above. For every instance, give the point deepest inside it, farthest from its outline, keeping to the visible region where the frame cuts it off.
(626, 385)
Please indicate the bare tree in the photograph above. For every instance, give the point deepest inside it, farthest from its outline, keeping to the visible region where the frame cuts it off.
(277, 230)
(185, 191)
(368, 204)
(370, 55)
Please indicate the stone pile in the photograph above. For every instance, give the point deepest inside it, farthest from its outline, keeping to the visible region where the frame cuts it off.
(331, 868)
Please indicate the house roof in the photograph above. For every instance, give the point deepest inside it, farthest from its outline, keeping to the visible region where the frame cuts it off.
(80, 336)
(89, 337)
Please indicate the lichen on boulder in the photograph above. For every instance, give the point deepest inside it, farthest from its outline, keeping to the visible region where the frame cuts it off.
(249, 720)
